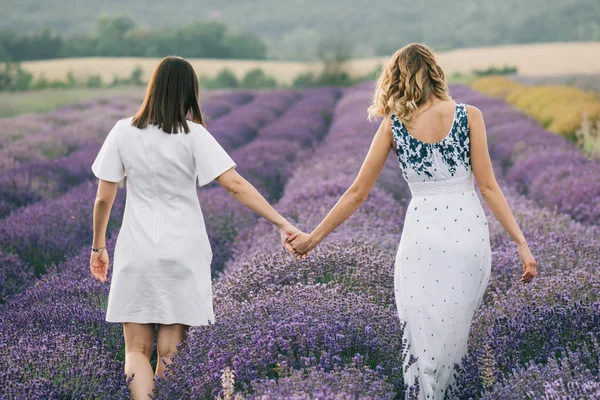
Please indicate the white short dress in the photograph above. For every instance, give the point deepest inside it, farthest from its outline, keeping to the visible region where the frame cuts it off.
(161, 264)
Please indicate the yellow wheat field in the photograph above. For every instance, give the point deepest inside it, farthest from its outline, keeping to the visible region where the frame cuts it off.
(559, 108)
(534, 59)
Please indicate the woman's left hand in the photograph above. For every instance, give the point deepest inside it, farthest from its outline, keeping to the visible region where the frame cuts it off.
(99, 264)
(529, 263)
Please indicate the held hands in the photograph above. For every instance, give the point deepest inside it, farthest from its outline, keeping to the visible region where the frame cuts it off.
(301, 243)
(529, 263)
(295, 241)
(286, 231)
(99, 264)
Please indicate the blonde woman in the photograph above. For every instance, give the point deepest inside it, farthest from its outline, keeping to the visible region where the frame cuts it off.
(443, 261)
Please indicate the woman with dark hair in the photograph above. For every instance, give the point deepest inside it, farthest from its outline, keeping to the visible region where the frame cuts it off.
(161, 277)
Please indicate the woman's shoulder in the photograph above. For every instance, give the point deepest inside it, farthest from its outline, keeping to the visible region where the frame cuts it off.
(198, 130)
(124, 123)
(124, 131)
(472, 111)
(121, 126)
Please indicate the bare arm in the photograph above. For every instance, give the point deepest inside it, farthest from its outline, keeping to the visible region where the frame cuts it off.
(105, 198)
(491, 192)
(243, 191)
(356, 194)
(484, 174)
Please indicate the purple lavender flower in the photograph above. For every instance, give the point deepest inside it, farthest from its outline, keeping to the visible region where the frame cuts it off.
(320, 326)
(572, 375)
(14, 274)
(352, 382)
(58, 365)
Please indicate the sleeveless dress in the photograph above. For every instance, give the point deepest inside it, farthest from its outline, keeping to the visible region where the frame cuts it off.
(161, 264)
(444, 259)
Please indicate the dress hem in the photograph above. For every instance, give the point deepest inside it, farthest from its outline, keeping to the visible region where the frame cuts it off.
(156, 321)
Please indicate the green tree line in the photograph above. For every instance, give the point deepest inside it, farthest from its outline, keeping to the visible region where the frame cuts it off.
(292, 29)
(118, 36)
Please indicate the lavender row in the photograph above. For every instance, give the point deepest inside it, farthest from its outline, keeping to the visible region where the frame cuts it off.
(559, 243)
(31, 139)
(316, 326)
(52, 365)
(54, 340)
(240, 132)
(45, 233)
(74, 302)
(223, 104)
(37, 138)
(352, 382)
(44, 180)
(530, 327)
(572, 374)
(243, 123)
(527, 326)
(267, 162)
(38, 180)
(78, 302)
(14, 275)
(544, 166)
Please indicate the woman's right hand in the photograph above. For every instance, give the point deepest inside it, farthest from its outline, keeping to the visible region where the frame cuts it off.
(99, 265)
(529, 263)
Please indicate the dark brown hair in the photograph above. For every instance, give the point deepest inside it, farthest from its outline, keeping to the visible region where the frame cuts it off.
(171, 96)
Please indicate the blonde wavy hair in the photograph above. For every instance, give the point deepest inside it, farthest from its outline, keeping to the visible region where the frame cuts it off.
(407, 82)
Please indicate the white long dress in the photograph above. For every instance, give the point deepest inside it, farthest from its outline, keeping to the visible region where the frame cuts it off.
(444, 259)
(161, 266)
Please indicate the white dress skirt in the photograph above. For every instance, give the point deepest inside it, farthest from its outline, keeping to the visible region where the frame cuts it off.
(444, 259)
(161, 264)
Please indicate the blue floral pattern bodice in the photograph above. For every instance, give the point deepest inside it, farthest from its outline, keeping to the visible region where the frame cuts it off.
(447, 159)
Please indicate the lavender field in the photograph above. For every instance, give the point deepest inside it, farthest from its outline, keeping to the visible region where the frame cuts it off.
(324, 327)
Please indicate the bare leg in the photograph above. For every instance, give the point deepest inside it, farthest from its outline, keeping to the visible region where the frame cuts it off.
(139, 340)
(169, 336)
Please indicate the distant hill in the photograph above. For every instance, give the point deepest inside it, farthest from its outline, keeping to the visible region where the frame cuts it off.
(295, 29)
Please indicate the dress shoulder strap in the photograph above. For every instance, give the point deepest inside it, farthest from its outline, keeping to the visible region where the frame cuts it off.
(398, 129)
(396, 121)
(461, 122)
